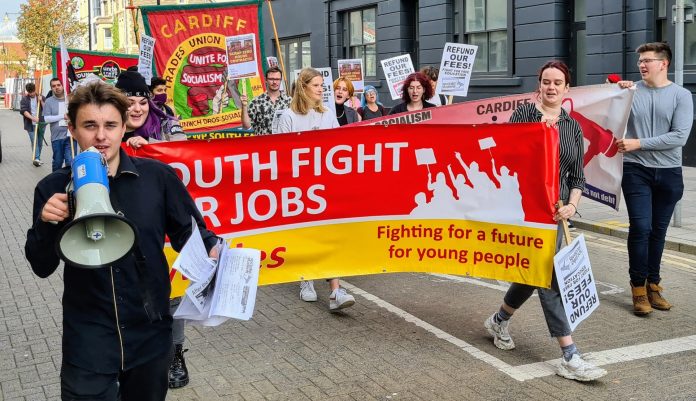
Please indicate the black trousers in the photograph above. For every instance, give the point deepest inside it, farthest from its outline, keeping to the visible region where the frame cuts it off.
(147, 382)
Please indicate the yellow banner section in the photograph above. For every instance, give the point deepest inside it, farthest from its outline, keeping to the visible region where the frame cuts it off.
(460, 247)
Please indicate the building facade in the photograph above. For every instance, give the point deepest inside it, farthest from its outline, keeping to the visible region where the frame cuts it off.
(514, 38)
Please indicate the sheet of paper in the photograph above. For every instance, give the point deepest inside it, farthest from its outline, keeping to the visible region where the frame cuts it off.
(200, 292)
(193, 261)
(236, 283)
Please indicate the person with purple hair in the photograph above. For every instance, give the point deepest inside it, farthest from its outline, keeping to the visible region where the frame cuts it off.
(146, 121)
(416, 89)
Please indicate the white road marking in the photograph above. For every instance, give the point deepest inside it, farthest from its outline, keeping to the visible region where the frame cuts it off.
(539, 369)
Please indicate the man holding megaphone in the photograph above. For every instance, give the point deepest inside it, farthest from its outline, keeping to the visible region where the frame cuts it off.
(110, 229)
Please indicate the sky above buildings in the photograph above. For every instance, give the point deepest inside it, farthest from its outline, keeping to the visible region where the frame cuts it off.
(9, 8)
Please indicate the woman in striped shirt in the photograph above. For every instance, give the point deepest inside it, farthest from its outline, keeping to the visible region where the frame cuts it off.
(554, 83)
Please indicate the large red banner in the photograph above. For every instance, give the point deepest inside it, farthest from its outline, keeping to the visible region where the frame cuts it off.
(106, 66)
(452, 199)
(190, 54)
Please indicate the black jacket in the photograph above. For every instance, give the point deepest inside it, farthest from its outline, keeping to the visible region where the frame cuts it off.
(401, 107)
(105, 327)
(25, 105)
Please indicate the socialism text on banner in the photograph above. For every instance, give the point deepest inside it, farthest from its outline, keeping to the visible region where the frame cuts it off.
(192, 58)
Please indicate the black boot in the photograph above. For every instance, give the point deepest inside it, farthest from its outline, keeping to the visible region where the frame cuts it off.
(178, 374)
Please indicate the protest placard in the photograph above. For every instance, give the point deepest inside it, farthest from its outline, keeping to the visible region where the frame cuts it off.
(455, 69)
(145, 57)
(396, 69)
(576, 282)
(271, 61)
(241, 56)
(352, 69)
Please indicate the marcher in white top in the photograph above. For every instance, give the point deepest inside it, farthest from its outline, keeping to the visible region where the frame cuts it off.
(307, 113)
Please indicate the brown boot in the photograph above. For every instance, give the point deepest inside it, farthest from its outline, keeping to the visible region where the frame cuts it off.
(641, 305)
(656, 299)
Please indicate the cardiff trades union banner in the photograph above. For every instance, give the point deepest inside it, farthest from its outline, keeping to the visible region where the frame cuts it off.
(106, 66)
(190, 54)
(454, 199)
(601, 110)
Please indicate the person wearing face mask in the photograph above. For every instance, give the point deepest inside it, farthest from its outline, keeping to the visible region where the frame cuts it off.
(416, 89)
(554, 83)
(661, 117)
(343, 91)
(158, 91)
(370, 106)
(146, 122)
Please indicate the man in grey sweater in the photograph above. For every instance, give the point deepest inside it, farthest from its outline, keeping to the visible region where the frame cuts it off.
(661, 117)
(54, 113)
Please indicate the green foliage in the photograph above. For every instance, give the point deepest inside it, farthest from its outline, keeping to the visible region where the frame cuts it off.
(115, 36)
(42, 21)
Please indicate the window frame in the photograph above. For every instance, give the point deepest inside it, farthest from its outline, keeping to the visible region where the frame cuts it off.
(284, 44)
(464, 37)
(347, 46)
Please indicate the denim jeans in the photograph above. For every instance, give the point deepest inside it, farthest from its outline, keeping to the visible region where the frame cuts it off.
(550, 298)
(62, 152)
(650, 195)
(39, 144)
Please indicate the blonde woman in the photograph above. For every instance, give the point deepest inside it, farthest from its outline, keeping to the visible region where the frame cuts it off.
(307, 113)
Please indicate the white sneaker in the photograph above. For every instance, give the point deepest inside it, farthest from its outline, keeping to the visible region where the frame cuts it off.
(307, 292)
(500, 333)
(340, 299)
(579, 369)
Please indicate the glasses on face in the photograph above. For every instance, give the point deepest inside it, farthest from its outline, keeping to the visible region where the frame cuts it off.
(273, 79)
(648, 60)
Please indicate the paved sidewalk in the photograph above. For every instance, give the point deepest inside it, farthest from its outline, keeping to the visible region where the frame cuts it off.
(602, 219)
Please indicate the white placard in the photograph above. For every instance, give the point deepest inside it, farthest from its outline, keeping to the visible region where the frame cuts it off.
(455, 69)
(576, 282)
(241, 56)
(352, 69)
(396, 69)
(145, 57)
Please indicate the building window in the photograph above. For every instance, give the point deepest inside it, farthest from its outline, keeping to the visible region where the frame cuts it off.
(578, 44)
(486, 26)
(108, 40)
(360, 38)
(297, 54)
(660, 20)
(457, 19)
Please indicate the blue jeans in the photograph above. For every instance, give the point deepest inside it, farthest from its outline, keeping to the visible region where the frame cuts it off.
(650, 195)
(39, 144)
(550, 298)
(62, 152)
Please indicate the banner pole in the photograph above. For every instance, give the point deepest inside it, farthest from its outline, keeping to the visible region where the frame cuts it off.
(38, 104)
(450, 98)
(280, 52)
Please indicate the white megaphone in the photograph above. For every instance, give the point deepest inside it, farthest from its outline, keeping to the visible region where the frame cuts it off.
(97, 236)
